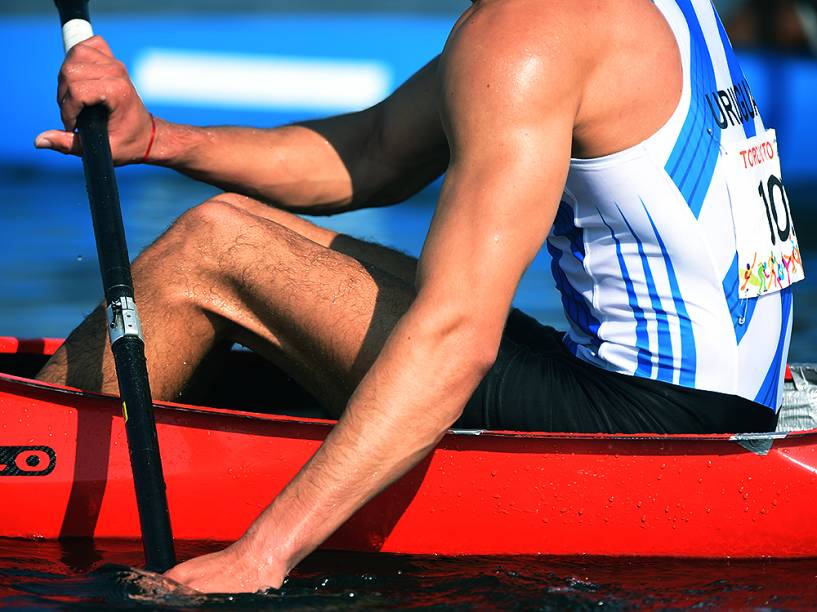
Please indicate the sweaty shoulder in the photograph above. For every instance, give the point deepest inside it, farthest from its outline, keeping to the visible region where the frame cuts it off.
(513, 59)
(614, 65)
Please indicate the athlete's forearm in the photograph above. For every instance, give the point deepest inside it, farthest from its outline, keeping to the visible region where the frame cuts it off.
(292, 167)
(381, 155)
(412, 394)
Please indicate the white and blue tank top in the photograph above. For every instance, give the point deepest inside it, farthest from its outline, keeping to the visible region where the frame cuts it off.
(643, 245)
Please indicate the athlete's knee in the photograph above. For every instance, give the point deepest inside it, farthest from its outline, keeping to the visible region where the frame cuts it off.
(211, 219)
(223, 237)
(191, 262)
(205, 232)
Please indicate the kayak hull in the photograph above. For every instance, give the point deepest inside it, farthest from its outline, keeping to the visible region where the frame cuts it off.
(66, 473)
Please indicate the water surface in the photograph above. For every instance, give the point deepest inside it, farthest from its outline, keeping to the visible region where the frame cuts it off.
(77, 575)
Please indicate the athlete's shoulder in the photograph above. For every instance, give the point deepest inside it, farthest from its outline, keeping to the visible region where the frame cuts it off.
(550, 30)
(517, 51)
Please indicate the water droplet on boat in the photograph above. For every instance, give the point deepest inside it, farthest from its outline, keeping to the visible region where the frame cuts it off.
(746, 509)
(659, 477)
(611, 499)
(643, 518)
(581, 511)
(663, 466)
(638, 504)
(79, 257)
(745, 496)
(666, 509)
(709, 463)
(763, 511)
(708, 510)
(493, 473)
(774, 502)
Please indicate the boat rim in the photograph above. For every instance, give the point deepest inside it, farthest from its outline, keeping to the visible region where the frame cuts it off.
(46, 346)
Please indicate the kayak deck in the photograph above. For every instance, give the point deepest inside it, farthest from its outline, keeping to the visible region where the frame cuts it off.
(478, 493)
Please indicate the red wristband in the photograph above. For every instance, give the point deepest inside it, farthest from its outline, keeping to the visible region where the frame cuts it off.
(150, 142)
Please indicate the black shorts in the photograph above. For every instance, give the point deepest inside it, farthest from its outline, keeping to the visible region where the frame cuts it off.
(536, 384)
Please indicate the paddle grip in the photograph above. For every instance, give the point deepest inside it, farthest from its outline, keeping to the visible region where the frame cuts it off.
(128, 350)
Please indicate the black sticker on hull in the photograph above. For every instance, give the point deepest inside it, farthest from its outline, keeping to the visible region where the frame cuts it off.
(27, 460)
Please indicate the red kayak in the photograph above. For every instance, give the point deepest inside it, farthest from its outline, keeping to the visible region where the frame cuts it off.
(64, 472)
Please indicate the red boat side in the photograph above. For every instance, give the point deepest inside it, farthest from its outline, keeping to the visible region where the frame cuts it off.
(67, 474)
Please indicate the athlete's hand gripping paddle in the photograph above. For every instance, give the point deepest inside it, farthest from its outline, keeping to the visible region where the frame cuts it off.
(127, 343)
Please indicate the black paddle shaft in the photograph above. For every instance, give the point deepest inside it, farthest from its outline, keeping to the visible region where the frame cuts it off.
(127, 344)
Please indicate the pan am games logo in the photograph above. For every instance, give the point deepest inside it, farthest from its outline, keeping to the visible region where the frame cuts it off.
(27, 460)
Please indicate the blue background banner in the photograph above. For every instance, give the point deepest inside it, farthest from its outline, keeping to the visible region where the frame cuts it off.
(397, 45)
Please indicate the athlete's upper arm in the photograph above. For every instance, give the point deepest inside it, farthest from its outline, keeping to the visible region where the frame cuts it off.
(508, 103)
(392, 149)
(407, 148)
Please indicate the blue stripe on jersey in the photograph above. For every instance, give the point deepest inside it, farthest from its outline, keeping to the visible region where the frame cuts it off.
(747, 311)
(573, 302)
(571, 345)
(738, 308)
(642, 339)
(666, 362)
(689, 358)
(767, 394)
(565, 226)
(736, 73)
(730, 289)
(690, 169)
(678, 161)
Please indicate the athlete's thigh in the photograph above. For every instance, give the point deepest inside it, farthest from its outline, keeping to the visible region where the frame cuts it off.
(320, 314)
(387, 259)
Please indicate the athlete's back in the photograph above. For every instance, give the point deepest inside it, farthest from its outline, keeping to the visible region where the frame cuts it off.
(651, 244)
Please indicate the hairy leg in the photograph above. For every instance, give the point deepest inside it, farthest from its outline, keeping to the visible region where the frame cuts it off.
(399, 265)
(318, 304)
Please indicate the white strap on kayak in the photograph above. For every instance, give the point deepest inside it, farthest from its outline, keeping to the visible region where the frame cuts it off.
(74, 32)
(123, 319)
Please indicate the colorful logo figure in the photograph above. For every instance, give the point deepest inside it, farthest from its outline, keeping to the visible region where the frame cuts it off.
(772, 273)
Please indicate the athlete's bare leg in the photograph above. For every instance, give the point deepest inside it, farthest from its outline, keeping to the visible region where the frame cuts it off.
(318, 304)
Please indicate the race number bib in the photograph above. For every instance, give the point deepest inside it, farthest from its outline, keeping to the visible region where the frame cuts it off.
(768, 253)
